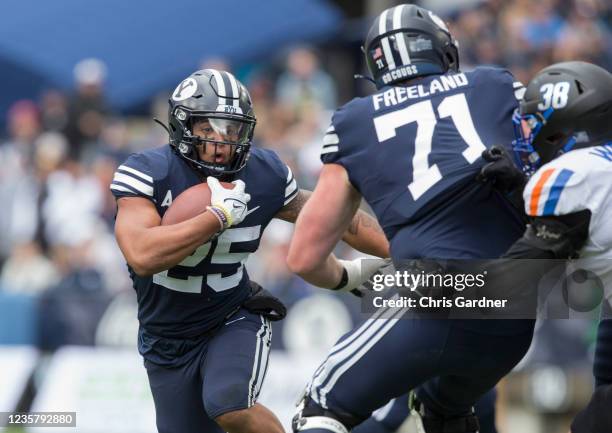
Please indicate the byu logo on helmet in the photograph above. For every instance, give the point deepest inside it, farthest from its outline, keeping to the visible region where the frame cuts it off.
(185, 89)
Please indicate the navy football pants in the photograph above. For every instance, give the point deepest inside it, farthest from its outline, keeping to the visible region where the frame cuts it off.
(602, 366)
(455, 361)
(596, 416)
(226, 376)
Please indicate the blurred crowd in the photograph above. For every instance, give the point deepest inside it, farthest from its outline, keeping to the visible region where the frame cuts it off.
(526, 36)
(59, 153)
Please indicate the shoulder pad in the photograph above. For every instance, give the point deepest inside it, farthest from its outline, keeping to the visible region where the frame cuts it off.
(499, 77)
(133, 178)
(137, 175)
(345, 121)
(274, 165)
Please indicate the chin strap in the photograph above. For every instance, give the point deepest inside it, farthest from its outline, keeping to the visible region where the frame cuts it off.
(155, 119)
(364, 77)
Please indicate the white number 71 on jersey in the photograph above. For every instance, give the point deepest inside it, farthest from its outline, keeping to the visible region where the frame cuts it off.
(425, 176)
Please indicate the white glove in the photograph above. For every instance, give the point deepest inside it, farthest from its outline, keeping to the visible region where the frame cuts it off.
(228, 205)
(359, 271)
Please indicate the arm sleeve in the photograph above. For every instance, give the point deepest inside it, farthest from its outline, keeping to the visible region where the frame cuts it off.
(541, 252)
(556, 200)
(553, 237)
(133, 178)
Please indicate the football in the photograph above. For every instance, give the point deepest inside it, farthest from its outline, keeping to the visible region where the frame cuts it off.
(189, 203)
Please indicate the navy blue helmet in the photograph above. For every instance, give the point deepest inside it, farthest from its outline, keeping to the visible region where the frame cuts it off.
(220, 99)
(408, 41)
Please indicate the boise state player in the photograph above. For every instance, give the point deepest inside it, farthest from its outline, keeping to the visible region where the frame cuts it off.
(413, 152)
(204, 339)
(564, 135)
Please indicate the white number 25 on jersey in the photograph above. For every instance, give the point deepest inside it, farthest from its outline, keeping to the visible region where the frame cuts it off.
(221, 255)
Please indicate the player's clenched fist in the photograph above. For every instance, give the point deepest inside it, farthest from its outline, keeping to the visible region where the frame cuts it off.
(228, 205)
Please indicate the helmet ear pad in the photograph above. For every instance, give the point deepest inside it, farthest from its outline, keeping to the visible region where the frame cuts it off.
(452, 57)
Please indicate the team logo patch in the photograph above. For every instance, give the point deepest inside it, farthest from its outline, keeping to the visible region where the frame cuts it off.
(185, 90)
(420, 44)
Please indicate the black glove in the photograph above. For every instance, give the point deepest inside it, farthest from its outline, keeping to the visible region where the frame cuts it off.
(501, 170)
(264, 303)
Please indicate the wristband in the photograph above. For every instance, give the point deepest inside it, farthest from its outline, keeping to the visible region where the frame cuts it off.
(220, 215)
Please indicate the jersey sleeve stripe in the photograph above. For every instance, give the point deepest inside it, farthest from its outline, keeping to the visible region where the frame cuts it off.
(555, 191)
(121, 188)
(141, 175)
(519, 90)
(537, 191)
(291, 188)
(146, 182)
(289, 175)
(138, 185)
(330, 139)
(329, 149)
(291, 197)
(330, 129)
(117, 186)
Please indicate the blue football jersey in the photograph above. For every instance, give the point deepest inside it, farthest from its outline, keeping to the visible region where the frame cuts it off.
(414, 151)
(196, 295)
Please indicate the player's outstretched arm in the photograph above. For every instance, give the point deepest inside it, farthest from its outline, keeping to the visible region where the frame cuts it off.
(149, 247)
(324, 219)
(363, 233)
